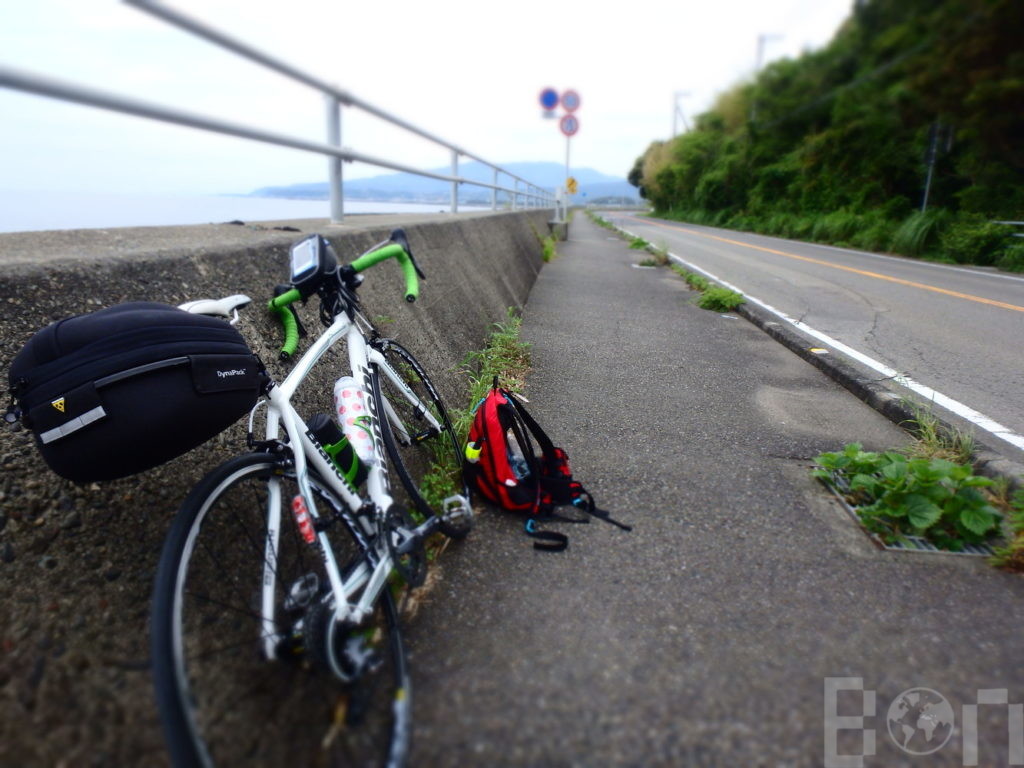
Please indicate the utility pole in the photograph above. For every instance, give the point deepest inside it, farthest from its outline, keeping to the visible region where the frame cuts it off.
(762, 40)
(940, 141)
(677, 112)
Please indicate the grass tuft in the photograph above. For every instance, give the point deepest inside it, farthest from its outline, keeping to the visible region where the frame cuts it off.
(549, 251)
(720, 299)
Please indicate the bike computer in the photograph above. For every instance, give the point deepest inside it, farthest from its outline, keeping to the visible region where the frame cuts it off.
(312, 260)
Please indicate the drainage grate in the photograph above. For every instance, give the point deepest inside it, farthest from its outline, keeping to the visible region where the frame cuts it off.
(909, 543)
(917, 544)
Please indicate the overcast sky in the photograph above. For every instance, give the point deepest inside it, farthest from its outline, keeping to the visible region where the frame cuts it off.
(461, 69)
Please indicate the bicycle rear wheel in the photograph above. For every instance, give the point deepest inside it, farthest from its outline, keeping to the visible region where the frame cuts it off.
(222, 701)
(427, 458)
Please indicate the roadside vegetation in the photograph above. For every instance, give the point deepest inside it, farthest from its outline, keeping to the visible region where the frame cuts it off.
(719, 299)
(549, 251)
(835, 146)
(712, 297)
(928, 489)
(504, 356)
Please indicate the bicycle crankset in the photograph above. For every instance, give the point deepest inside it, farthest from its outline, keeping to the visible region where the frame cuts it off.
(411, 562)
(344, 649)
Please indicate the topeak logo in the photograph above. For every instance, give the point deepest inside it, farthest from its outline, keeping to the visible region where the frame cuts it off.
(235, 372)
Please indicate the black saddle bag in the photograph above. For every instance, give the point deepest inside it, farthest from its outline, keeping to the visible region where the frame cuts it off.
(121, 390)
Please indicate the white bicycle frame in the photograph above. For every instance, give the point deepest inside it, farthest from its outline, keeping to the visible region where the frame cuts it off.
(306, 454)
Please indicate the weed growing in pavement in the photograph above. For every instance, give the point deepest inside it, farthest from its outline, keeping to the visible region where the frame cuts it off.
(600, 221)
(695, 281)
(504, 356)
(549, 251)
(659, 255)
(934, 441)
(897, 496)
(1011, 557)
(638, 244)
(719, 299)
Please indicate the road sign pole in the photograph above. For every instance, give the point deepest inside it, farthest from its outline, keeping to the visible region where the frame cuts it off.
(567, 140)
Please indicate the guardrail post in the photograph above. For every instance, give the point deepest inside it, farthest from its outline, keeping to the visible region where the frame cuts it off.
(494, 190)
(334, 163)
(515, 194)
(455, 184)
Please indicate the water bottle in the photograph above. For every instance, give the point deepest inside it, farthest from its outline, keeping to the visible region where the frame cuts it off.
(350, 407)
(337, 446)
(516, 459)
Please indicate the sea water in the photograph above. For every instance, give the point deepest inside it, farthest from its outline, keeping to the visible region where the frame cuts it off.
(31, 211)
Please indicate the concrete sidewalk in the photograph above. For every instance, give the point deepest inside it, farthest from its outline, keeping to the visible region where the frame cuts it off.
(704, 636)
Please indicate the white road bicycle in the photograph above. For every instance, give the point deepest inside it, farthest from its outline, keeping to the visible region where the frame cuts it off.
(275, 637)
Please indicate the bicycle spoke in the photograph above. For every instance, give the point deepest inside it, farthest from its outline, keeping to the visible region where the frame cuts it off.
(233, 692)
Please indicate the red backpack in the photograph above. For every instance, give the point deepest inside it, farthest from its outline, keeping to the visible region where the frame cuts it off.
(502, 464)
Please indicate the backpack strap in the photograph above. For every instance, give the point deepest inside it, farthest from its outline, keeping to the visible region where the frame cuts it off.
(586, 502)
(547, 447)
(559, 488)
(546, 541)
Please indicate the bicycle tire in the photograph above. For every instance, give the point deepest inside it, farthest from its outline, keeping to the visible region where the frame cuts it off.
(221, 701)
(429, 465)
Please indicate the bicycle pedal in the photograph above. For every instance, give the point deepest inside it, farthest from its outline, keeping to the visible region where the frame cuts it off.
(455, 508)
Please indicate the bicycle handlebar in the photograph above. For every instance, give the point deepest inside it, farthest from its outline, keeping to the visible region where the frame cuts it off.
(281, 306)
(395, 251)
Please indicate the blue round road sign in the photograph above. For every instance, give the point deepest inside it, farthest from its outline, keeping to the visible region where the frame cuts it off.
(549, 98)
(569, 124)
(570, 101)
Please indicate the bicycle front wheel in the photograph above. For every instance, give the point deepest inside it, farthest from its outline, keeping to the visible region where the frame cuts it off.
(420, 440)
(327, 695)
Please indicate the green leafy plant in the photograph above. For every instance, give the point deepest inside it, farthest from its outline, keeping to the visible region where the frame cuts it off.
(896, 496)
(975, 240)
(695, 281)
(638, 244)
(1011, 557)
(549, 252)
(720, 299)
(1012, 259)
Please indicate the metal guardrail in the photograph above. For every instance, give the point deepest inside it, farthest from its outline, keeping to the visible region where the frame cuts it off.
(1012, 224)
(531, 195)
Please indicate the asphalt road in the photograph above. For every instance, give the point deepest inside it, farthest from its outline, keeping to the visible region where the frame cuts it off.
(704, 637)
(956, 330)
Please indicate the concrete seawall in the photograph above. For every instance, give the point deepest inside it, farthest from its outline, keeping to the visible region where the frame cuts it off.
(77, 562)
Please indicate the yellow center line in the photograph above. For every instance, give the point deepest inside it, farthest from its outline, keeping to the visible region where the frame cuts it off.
(911, 283)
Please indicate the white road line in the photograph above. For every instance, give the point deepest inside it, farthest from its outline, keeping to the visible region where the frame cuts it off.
(980, 420)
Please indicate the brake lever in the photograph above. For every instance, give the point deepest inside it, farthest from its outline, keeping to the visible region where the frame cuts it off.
(398, 236)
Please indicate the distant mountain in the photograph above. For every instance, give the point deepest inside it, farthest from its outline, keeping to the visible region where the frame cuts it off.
(406, 187)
